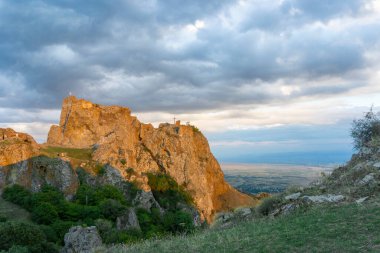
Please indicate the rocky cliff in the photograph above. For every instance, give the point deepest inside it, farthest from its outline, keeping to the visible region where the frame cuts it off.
(122, 141)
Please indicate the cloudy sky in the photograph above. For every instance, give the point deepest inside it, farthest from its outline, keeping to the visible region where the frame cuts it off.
(266, 81)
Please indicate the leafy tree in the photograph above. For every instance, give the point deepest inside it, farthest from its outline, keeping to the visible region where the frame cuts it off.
(366, 131)
(44, 213)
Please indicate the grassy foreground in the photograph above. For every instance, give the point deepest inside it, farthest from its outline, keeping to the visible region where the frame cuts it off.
(344, 228)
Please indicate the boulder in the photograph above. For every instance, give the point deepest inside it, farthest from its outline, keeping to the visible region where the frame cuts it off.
(146, 201)
(128, 220)
(367, 179)
(361, 200)
(81, 240)
(293, 196)
(324, 198)
(376, 165)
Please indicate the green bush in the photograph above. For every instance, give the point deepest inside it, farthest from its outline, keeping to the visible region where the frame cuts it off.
(25, 235)
(366, 131)
(167, 191)
(178, 221)
(111, 209)
(3, 218)
(268, 205)
(114, 236)
(44, 213)
(17, 194)
(61, 228)
(88, 195)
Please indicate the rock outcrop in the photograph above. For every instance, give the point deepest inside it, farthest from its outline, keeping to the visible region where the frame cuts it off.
(128, 220)
(16, 147)
(122, 141)
(21, 163)
(83, 240)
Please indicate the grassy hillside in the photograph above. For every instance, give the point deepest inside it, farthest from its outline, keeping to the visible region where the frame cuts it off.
(325, 228)
(13, 212)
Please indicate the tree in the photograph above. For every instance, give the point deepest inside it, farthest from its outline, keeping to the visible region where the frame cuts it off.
(366, 131)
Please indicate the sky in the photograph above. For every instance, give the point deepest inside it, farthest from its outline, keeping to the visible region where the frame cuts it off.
(265, 81)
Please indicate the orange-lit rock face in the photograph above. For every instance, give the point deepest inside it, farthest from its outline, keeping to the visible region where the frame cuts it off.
(122, 141)
(21, 163)
(16, 147)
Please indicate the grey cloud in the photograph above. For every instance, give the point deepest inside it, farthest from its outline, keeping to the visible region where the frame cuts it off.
(116, 52)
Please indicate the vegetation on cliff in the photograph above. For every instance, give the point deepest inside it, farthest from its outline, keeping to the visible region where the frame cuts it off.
(98, 205)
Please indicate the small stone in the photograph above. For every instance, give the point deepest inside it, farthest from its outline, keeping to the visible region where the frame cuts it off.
(244, 211)
(293, 196)
(288, 208)
(324, 198)
(361, 200)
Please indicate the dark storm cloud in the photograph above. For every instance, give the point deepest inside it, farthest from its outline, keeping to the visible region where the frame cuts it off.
(150, 55)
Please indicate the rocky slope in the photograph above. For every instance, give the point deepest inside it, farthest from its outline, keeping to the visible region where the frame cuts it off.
(122, 141)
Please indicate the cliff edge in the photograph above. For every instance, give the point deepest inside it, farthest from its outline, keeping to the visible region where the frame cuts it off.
(122, 141)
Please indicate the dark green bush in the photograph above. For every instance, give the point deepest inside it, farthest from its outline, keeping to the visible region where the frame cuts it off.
(111, 209)
(89, 195)
(167, 191)
(61, 228)
(178, 221)
(44, 213)
(3, 218)
(268, 205)
(17, 195)
(114, 236)
(23, 234)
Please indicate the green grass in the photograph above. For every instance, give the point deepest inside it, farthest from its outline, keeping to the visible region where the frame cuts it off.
(80, 154)
(347, 228)
(13, 212)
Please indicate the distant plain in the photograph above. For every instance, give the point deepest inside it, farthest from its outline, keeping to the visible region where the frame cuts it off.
(272, 178)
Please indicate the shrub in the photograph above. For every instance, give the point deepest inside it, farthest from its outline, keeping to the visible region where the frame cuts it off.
(17, 195)
(178, 221)
(366, 131)
(50, 234)
(123, 161)
(22, 234)
(167, 191)
(3, 218)
(88, 195)
(103, 226)
(130, 170)
(61, 228)
(48, 194)
(100, 170)
(268, 205)
(114, 236)
(111, 209)
(44, 213)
